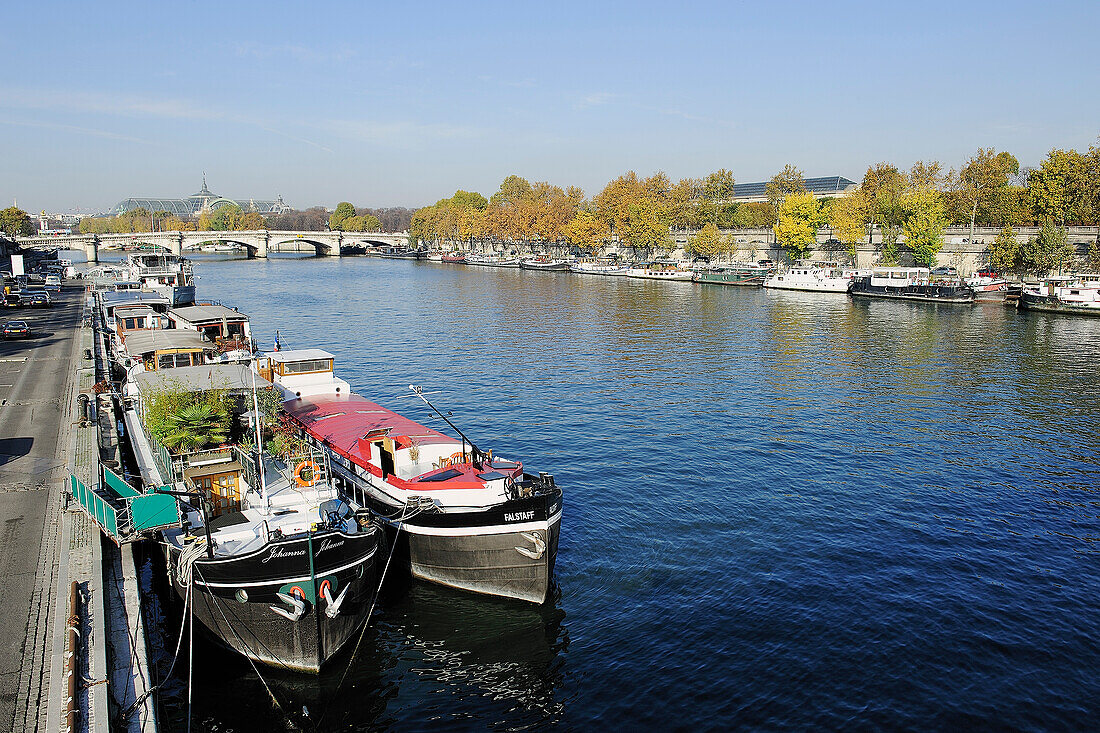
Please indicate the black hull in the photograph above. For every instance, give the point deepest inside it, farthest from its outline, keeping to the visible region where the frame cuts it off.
(233, 596)
(921, 293)
(403, 255)
(1051, 304)
(508, 550)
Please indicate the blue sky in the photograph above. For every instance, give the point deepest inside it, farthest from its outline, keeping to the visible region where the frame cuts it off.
(401, 104)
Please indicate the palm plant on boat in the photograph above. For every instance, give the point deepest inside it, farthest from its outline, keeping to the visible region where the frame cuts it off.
(184, 421)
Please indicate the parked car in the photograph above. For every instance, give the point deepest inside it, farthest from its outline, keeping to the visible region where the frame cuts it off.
(17, 330)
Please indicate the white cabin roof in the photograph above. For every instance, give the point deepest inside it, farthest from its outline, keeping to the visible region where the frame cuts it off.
(298, 355)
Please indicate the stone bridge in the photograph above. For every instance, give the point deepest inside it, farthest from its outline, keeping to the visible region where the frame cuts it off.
(258, 243)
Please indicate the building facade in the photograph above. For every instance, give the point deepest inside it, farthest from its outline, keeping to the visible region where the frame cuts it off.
(197, 203)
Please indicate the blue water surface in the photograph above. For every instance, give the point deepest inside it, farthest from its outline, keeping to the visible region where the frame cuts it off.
(783, 510)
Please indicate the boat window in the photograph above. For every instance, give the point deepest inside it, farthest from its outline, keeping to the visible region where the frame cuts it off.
(491, 475)
(448, 474)
(303, 367)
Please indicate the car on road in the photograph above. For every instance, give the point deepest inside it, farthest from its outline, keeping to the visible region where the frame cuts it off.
(35, 299)
(53, 282)
(17, 330)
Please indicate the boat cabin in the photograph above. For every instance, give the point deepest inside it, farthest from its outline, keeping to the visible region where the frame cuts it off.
(130, 318)
(166, 349)
(898, 277)
(113, 300)
(216, 323)
(302, 373)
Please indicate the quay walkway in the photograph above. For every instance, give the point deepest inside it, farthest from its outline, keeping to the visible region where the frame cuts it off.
(47, 542)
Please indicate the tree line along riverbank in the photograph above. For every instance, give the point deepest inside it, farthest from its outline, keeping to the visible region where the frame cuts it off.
(901, 214)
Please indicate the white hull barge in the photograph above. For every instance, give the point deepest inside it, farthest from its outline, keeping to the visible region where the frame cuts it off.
(467, 519)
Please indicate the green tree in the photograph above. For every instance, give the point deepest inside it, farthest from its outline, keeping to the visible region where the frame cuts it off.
(1094, 255)
(800, 216)
(924, 225)
(1004, 253)
(16, 222)
(1058, 188)
(707, 242)
(881, 193)
(717, 189)
(752, 215)
(223, 219)
(344, 211)
(250, 221)
(1050, 250)
(644, 228)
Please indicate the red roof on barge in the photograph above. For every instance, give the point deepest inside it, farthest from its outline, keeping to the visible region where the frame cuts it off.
(340, 421)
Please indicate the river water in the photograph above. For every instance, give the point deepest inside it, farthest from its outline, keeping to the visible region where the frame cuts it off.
(782, 510)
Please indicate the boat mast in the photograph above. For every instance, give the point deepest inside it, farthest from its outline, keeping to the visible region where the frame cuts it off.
(478, 455)
(259, 433)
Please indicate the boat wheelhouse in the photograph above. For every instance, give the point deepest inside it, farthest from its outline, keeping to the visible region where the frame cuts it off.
(466, 518)
(942, 285)
(168, 274)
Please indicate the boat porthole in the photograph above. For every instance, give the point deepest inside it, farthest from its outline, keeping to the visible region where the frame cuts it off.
(242, 595)
(337, 390)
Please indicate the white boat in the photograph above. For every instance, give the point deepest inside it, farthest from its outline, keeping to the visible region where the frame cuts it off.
(488, 260)
(661, 271)
(815, 277)
(614, 269)
(1079, 294)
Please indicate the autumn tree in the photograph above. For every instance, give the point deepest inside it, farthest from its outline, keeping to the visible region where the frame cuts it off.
(981, 180)
(586, 230)
(15, 222)
(785, 182)
(707, 242)
(800, 216)
(847, 217)
(753, 215)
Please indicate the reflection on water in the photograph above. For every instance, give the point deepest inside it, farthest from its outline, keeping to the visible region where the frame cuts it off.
(781, 509)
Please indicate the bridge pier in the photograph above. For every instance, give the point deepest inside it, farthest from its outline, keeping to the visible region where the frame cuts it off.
(261, 245)
(91, 249)
(175, 240)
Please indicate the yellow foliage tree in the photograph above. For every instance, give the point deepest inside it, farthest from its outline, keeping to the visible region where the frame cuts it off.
(847, 216)
(800, 216)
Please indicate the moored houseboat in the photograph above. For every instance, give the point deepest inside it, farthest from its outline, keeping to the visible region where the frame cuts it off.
(274, 560)
(815, 277)
(660, 270)
(611, 267)
(1076, 294)
(748, 274)
(465, 518)
(941, 285)
(544, 264)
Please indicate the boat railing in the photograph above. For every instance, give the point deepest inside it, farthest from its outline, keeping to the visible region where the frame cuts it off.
(122, 512)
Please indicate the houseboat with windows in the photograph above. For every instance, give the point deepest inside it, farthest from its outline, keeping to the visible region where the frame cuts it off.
(814, 277)
(589, 266)
(463, 517)
(1077, 294)
(492, 260)
(168, 274)
(226, 328)
(747, 274)
(274, 560)
(941, 285)
(661, 270)
(544, 264)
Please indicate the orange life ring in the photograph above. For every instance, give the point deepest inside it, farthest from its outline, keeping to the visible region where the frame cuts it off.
(300, 469)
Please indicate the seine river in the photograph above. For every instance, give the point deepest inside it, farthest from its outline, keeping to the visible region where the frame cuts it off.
(782, 510)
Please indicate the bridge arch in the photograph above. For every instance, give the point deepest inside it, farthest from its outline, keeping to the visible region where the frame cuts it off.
(321, 248)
